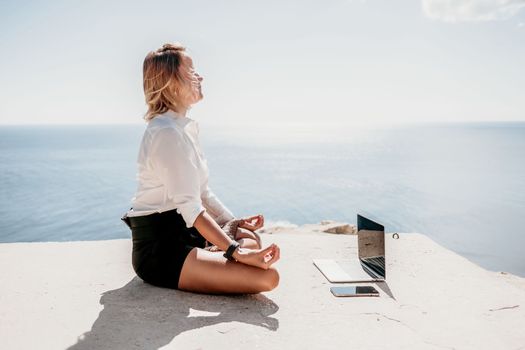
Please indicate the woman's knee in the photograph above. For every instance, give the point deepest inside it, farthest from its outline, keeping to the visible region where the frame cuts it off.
(270, 280)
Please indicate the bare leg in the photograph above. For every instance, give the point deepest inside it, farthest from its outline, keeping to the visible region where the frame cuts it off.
(210, 272)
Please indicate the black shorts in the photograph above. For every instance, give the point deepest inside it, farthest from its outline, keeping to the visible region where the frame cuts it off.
(161, 243)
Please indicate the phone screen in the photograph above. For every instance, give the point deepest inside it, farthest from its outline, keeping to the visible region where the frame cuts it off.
(354, 291)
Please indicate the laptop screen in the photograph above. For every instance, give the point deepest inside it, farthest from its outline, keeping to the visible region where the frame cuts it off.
(371, 242)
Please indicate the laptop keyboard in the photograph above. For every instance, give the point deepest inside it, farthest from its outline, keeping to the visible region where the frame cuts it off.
(376, 264)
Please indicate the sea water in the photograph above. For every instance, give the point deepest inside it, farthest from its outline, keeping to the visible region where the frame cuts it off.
(463, 185)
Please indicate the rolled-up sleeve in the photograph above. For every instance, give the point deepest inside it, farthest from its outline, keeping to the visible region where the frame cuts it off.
(172, 157)
(215, 208)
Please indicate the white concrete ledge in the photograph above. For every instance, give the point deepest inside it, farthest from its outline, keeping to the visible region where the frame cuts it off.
(84, 295)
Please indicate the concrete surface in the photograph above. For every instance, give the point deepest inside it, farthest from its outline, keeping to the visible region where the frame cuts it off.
(84, 295)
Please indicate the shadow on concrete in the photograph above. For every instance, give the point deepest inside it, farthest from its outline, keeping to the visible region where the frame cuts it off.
(142, 316)
(385, 288)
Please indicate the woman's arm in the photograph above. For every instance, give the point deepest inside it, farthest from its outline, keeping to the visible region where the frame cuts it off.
(217, 210)
(209, 229)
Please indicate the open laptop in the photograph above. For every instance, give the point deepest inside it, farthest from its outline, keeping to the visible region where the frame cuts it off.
(368, 266)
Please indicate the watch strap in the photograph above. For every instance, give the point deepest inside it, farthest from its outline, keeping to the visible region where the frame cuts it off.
(231, 249)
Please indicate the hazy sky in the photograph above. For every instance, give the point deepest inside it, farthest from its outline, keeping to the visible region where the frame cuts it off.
(268, 61)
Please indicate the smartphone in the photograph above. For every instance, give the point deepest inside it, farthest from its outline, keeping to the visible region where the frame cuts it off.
(354, 291)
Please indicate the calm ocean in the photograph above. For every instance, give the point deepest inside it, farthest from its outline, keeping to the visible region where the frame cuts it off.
(461, 184)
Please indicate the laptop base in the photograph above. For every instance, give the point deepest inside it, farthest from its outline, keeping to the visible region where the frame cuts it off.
(344, 271)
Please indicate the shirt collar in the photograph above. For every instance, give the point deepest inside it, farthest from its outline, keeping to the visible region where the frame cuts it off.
(189, 125)
(178, 118)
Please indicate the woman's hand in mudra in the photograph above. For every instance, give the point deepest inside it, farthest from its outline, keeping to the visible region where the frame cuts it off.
(252, 223)
(261, 258)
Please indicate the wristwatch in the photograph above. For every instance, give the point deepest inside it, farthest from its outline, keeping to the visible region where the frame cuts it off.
(231, 249)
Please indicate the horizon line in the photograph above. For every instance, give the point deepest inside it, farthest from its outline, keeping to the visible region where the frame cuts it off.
(237, 124)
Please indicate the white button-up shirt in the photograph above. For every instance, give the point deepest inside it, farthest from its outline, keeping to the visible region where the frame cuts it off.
(173, 173)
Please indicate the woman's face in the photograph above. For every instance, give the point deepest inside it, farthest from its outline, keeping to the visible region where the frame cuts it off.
(191, 89)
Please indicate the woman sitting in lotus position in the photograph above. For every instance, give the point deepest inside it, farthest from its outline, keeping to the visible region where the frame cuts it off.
(183, 236)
